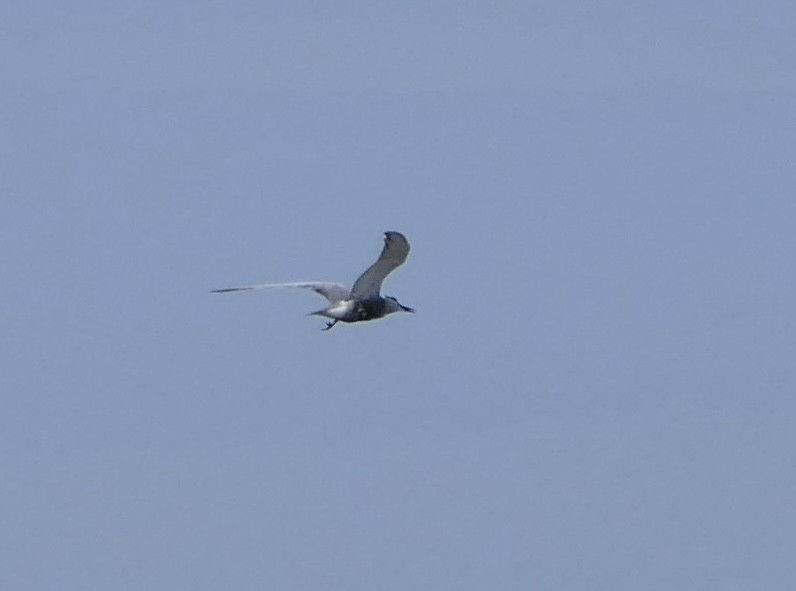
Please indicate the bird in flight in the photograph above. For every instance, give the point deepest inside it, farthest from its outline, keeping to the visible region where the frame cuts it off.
(364, 301)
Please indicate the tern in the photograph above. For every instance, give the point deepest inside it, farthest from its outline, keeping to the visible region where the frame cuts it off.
(364, 301)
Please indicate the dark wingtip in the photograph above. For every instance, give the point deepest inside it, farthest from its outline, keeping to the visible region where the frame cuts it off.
(390, 234)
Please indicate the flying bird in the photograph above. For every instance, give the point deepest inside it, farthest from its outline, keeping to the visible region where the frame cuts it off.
(364, 301)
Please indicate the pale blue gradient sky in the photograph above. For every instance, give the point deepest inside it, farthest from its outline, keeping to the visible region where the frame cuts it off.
(597, 391)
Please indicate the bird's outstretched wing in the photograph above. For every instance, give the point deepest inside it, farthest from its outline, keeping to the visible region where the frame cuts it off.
(393, 255)
(334, 292)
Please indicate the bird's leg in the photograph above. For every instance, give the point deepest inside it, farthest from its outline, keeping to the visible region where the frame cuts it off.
(329, 325)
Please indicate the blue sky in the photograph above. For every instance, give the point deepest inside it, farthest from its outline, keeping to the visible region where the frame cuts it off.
(597, 390)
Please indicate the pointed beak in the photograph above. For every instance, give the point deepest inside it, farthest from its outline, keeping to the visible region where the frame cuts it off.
(407, 309)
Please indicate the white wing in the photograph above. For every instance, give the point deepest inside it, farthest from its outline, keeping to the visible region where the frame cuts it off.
(393, 255)
(334, 292)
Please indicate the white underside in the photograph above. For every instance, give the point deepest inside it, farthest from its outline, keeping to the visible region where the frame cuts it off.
(340, 310)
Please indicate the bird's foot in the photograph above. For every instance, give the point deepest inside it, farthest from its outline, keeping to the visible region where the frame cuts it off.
(329, 325)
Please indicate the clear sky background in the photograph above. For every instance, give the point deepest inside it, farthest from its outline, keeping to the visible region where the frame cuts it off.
(597, 391)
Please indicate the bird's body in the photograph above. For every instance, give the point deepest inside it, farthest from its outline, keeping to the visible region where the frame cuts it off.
(363, 302)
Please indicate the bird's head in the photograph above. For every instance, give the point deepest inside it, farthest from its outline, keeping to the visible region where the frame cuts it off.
(394, 305)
